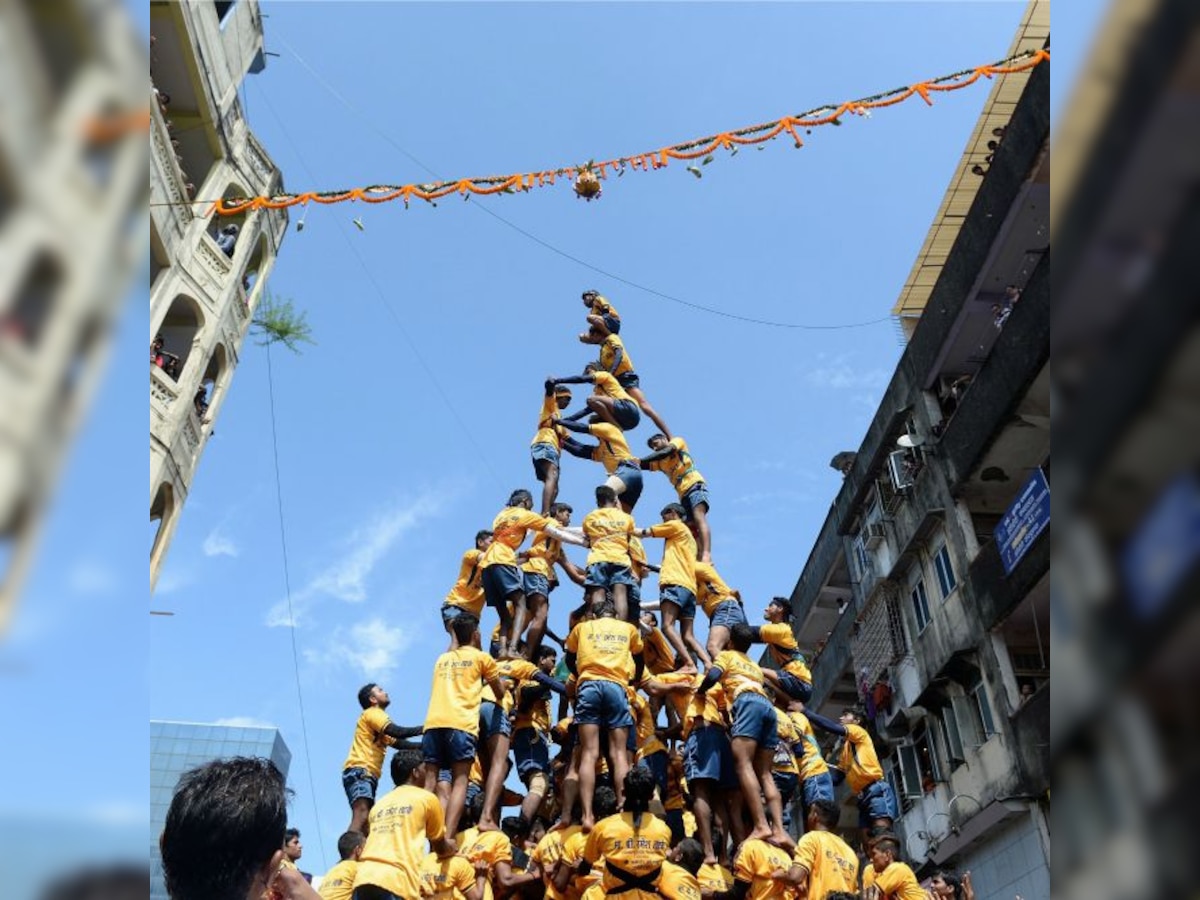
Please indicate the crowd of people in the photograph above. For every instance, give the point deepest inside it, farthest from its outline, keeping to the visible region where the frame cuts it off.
(653, 764)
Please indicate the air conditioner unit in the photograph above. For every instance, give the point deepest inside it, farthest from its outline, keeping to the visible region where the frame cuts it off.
(899, 469)
(873, 535)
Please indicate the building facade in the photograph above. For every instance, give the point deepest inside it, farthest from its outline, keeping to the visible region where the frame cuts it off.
(927, 591)
(204, 281)
(176, 747)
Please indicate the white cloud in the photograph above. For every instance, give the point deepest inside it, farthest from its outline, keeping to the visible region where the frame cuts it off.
(840, 375)
(219, 544)
(372, 647)
(346, 579)
(244, 722)
(91, 578)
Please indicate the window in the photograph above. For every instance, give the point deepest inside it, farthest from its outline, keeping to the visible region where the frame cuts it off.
(920, 602)
(953, 737)
(910, 772)
(919, 768)
(866, 567)
(945, 571)
(984, 709)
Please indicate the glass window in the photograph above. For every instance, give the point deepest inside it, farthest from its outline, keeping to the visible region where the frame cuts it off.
(984, 708)
(910, 771)
(954, 744)
(920, 602)
(945, 571)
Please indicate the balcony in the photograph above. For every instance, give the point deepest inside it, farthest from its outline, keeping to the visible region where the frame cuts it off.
(996, 595)
(1031, 741)
(163, 393)
(168, 185)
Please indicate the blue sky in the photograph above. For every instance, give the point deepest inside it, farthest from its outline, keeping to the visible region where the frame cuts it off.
(405, 427)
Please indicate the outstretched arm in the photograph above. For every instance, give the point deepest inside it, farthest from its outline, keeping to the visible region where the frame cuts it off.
(401, 732)
(576, 448)
(571, 425)
(825, 724)
(618, 355)
(565, 535)
(711, 677)
(573, 379)
(657, 455)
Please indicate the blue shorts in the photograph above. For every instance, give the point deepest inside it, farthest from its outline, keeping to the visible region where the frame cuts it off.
(681, 597)
(754, 717)
(501, 582)
(450, 613)
(696, 494)
(634, 594)
(627, 413)
(541, 454)
(631, 477)
(602, 703)
(728, 614)
(612, 323)
(708, 755)
(532, 754)
(606, 574)
(877, 801)
(794, 687)
(536, 584)
(359, 784)
(444, 746)
(492, 721)
(814, 788)
(629, 380)
(657, 763)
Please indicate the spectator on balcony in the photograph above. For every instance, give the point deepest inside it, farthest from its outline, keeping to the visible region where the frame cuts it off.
(227, 239)
(200, 401)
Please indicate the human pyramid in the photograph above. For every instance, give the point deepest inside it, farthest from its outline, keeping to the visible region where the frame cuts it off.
(677, 761)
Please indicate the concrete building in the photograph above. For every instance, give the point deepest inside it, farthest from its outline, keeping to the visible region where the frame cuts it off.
(72, 208)
(202, 295)
(177, 747)
(927, 591)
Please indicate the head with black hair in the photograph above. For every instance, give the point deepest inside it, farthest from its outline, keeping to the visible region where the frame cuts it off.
(464, 628)
(521, 497)
(471, 812)
(371, 694)
(689, 854)
(823, 815)
(885, 850)
(516, 828)
(605, 609)
(639, 789)
(657, 441)
(350, 845)
(224, 830)
(741, 637)
(778, 610)
(591, 368)
(483, 539)
(292, 848)
(561, 513)
(673, 512)
(405, 762)
(604, 802)
(546, 658)
(649, 619)
(946, 883)
(852, 715)
(605, 496)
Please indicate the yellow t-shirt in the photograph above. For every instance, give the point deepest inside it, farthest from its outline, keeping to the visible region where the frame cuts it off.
(467, 592)
(572, 853)
(608, 386)
(401, 822)
(459, 677)
(897, 882)
(785, 759)
(508, 533)
(811, 761)
(604, 650)
(660, 655)
(601, 307)
(675, 783)
(637, 558)
(679, 554)
(338, 883)
(712, 707)
(446, 879)
(677, 883)
(612, 448)
(784, 650)
(547, 853)
(638, 851)
(543, 553)
(831, 864)
(491, 847)
(608, 530)
(547, 431)
(711, 590)
(755, 862)
(858, 759)
(647, 728)
(679, 467)
(608, 352)
(739, 674)
(512, 671)
(679, 700)
(538, 714)
(716, 879)
(370, 743)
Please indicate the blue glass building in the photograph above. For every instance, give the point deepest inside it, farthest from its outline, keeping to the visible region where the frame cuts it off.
(176, 747)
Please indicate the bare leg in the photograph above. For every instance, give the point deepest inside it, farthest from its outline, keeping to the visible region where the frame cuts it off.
(689, 639)
(640, 399)
(618, 760)
(506, 623)
(718, 639)
(734, 812)
(518, 627)
(589, 752)
(763, 760)
(743, 759)
(539, 611)
(603, 407)
(704, 544)
(702, 807)
(549, 478)
(670, 612)
(620, 597)
(497, 748)
(360, 815)
(458, 794)
(570, 791)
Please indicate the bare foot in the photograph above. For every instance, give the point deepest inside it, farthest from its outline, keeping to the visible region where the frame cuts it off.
(487, 825)
(587, 823)
(760, 834)
(782, 840)
(561, 825)
(711, 860)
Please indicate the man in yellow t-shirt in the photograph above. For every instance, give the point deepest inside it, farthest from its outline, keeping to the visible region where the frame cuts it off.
(467, 594)
(893, 879)
(604, 655)
(721, 603)
(793, 677)
(602, 318)
(338, 883)
(502, 580)
(679, 875)
(571, 878)
(633, 844)
(494, 851)
(547, 854)
(823, 862)
(754, 868)
(531, 728)
(615, 360)
(611, 451)
(374, 732)
(714, 878)
(815, 780)
(389, 865)
(858, 764)
(677, 583)
(546, 446)
(452, 878)
(607, 529)
(670, 455)
(609, 400)
(452, 722)
(537, 574)
(753, 735)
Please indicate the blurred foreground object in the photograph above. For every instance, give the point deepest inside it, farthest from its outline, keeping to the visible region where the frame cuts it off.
(1126, 369)
(207, 273)
(72, 233)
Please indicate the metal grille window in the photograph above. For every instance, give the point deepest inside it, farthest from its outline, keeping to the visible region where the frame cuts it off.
(880, 639)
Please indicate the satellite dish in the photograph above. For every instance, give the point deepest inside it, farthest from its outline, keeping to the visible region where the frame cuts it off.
(909, 441)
